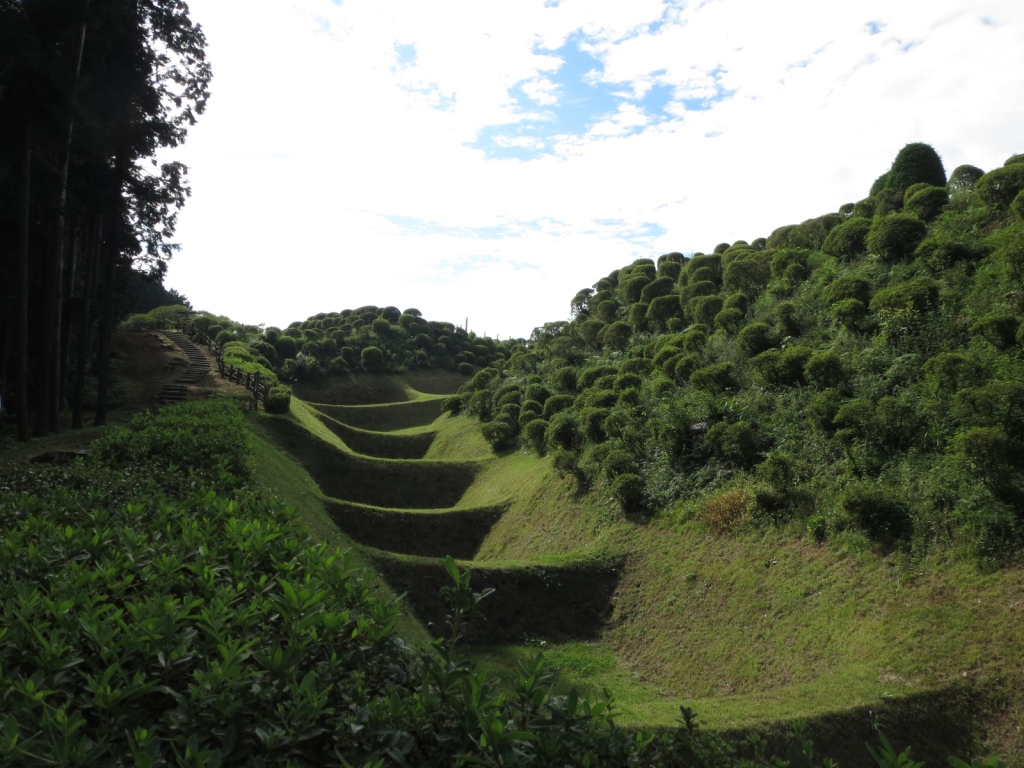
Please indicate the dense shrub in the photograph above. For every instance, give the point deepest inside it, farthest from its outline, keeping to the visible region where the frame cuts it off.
(278, 400)
(825, 369)
(999, 187)
(882, 514)
(557, 404)
(999, 328)
(916, 162)
(963, 178)
(920, 294)
(372, 359)
(716, 378)
(732, 443)
(628, 490)
(927, 204)
(847, 241)
(535, 433)
(895, 237)
(755, 338)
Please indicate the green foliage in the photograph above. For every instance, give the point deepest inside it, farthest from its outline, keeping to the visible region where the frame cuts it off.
(895, 237)
(372, 359)
(999, 328)
(716, 378)
(747, 275)
(882, 514)
(920, 294)
(755, 338)
(535, 433)
(850, 313)
(732, 443)
(999, 187)
(963, 178)
(556, 404)
(628, 490)
(927, 203)
(825, 369)
(1008, 247)
(915, 163)
(278, 400)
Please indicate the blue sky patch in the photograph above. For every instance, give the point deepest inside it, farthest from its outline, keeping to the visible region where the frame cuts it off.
(874, 27)
(405, 54)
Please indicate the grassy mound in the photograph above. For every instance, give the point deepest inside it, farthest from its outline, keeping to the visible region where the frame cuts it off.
(553, 602)
(390, 417)
(431, 534)
(381, 445)
(377, 482)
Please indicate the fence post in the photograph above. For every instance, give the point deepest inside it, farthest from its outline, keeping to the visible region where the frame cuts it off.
(256, 391)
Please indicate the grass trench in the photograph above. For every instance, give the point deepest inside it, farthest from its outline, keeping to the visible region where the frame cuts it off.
(456, 532)
(550, 602)
(390, 417)
(377, 482)
(381, 445)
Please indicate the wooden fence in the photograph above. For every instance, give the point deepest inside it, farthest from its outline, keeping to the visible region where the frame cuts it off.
(251, 381)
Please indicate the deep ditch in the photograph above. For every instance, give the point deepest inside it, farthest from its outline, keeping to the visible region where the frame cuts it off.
(405, 511)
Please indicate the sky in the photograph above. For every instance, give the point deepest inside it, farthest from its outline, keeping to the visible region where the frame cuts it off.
(484, 160)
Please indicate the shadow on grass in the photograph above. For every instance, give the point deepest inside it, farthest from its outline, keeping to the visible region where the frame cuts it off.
(458, 532)
(384, 418)
(381, 445)
(377, 482)
(556, 603)
(935, 725)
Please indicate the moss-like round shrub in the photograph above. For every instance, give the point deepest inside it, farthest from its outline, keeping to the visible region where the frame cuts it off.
(850, 313)
(882, 514)
(998, 188)
(278, 400)
(895, 237)
(732, 443)
(920, 294)
(825, 369)
(963, 178)
(628, 490)
(563, 431)
(755, 338)
(535, 434)
(927, 203)
(556, 404)
(716, 378)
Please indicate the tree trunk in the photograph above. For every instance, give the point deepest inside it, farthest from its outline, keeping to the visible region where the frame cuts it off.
(23, 246)
(94, 249)
(109, 259)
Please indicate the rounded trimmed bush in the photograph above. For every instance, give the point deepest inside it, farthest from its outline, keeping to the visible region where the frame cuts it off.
(998, 188)
(755, 338)
(895, 237)
(928, 203)
(825, 369)
(732, 443)
(716, 378)
(963, 178)
(881, 513)
(850, 313)
(278, 400)
(628, 490)
(372, 358)
(556, 404)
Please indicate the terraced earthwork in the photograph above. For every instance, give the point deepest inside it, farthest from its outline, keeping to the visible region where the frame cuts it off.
(367, 457)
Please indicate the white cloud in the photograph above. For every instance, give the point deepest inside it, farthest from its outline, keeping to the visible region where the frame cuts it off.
(313, 137)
